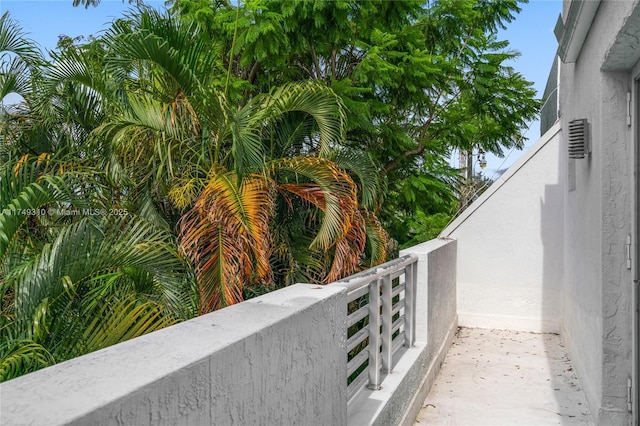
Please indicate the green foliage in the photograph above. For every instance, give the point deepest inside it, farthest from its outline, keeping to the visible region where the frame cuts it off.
(77, 275)
(22, 356)
(251, 145)
(469, 189)
(418, 80)
(424, 227)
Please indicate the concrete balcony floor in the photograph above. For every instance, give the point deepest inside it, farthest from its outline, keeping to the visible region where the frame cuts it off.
(497, 377)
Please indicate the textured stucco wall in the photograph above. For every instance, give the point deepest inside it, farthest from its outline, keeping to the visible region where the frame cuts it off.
(597, 292)
(510, 246)
(625, 51)
(436, 293)
(275, 360)
(582, 298)
(441, 294)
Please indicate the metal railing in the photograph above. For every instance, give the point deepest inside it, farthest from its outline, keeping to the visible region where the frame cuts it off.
(381, 320)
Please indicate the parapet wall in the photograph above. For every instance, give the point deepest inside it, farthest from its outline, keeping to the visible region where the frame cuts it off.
(278, 359)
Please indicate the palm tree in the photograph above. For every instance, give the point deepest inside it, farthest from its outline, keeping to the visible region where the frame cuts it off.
(20, 62)
(250, 190)
(225, 161)
(19, 57)
(71, 283)
(77, 271)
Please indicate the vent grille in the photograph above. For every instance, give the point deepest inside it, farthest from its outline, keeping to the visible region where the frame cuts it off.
(578, 138)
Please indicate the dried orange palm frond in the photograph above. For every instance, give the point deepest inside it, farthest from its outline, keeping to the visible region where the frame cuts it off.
(378, 239)
(348, 250)
(226, 234)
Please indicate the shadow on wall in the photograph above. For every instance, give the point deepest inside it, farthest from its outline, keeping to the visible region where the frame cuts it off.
(563, 376)
(552, 238)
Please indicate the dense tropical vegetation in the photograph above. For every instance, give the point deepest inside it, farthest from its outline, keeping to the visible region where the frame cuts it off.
(191, 158)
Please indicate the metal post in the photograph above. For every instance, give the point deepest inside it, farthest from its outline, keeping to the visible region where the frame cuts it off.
(374, 335)
(387, 305)
(414, 285)
(409, 311)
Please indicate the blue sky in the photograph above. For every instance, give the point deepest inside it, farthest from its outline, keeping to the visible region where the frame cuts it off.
(45, 20)
(531, 34)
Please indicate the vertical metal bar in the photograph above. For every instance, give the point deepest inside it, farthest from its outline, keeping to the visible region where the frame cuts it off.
(374, 335)
(387, 347)
(414, 286)
(409, 312)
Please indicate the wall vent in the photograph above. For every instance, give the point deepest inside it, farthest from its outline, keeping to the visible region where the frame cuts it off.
(579, 138)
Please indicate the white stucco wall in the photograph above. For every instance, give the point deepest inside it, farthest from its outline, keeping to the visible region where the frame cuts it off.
(582, 296)
(510, 254)
(275, 360)
(597, 316)
(278, 359)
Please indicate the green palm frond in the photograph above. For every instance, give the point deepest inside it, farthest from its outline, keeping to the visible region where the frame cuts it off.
(73, 90)
(362, 166)
(233, 134)
(172, 46)
(20, 59)
(293, 261)
(312, 98)
(332, 191)
(73, 66)
(146, 114)
(88, 248)
(102, 280)
(148, 211)
(14, 78)
(18, 357)
(150, 47)
(14, 40)
(147, 141)
(289, 136)
(116, 321)
(24, 190)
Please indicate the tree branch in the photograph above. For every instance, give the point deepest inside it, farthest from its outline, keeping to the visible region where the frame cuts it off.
(314, 57)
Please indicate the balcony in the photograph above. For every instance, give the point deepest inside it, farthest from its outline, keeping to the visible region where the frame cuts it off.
(365, 350)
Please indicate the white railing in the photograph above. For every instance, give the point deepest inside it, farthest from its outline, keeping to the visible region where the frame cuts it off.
(381, 320)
